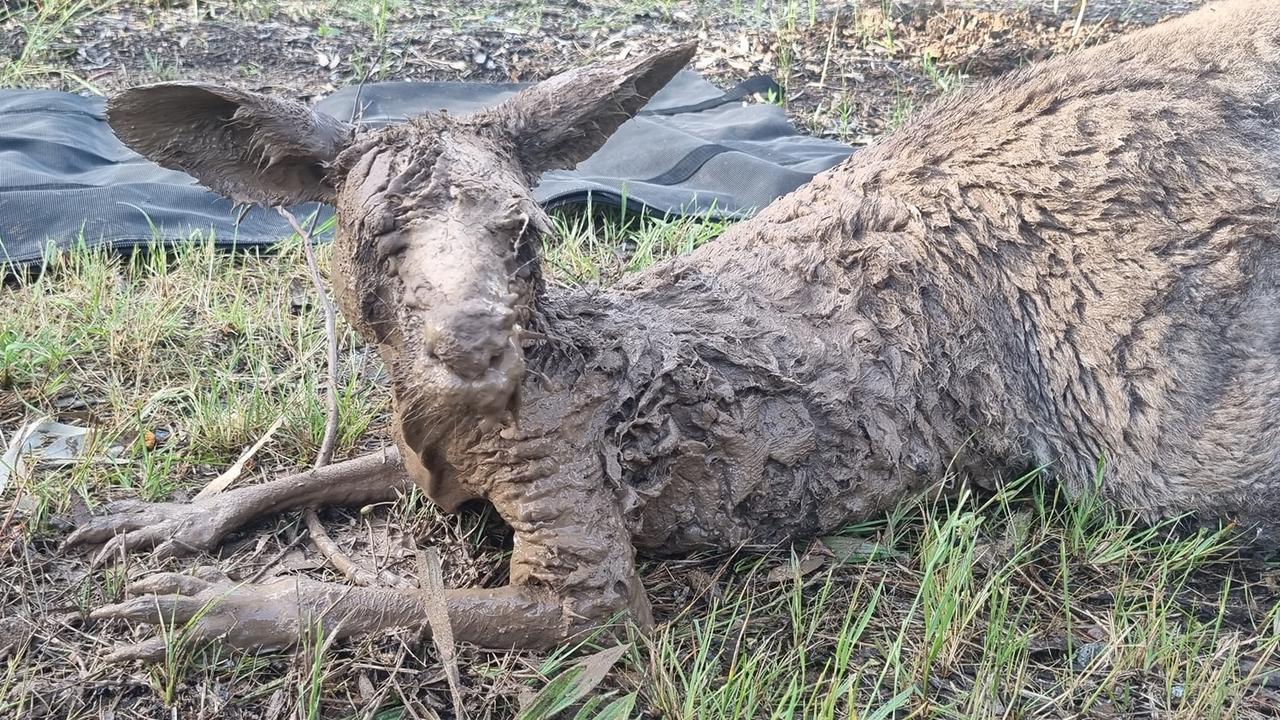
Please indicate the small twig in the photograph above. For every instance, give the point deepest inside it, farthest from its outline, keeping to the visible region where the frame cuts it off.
(350, 569)
(331, 334)
(231, 474)
(373, 706)
(408, 698)
(357, 112)
(1075, 31)
(831, 41)
(13, 507)
(431, 583)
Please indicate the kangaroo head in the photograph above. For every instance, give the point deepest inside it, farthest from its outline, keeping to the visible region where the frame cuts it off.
(434, 252)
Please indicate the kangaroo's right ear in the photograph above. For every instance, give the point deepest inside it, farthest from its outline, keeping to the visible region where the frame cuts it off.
(561, 121)
(245, 146)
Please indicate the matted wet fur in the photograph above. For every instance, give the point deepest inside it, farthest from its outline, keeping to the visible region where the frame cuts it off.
(1074, 264)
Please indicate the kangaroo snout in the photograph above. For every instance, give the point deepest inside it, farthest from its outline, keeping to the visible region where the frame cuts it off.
(471, 337)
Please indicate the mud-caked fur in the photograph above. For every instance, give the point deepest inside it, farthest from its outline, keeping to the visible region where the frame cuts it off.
(1074, 267)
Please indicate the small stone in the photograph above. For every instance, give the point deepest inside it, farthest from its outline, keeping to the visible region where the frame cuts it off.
(1086, 654)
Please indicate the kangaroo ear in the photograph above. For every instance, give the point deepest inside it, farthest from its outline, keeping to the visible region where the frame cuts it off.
(245, 146)
(561, 121)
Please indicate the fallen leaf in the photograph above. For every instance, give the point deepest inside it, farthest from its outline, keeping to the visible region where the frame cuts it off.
(787, 572)
(365, 685)
(431, 577)
(852, 549)
(573, 684)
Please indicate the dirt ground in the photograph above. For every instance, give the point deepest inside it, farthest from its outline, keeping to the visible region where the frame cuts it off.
(849, 73)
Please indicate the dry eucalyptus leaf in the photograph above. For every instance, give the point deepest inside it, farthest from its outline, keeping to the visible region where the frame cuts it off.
(853, 549)
(789, 571)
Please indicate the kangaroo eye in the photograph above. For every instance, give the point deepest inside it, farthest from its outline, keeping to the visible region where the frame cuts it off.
(516, 221)
(392, 245)
(385, 223)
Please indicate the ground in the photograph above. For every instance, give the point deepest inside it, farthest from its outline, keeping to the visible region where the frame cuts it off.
(1008, 603)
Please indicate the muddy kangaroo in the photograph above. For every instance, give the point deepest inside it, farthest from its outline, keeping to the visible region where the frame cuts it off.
(1074, 266)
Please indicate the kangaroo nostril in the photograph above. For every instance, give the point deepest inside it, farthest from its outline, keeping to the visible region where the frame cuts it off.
(470, 338)
(468, 351)
(466, 365)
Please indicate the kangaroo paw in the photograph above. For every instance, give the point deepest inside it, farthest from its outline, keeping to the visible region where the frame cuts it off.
(168, 529)
(173, 529)
(194, 612)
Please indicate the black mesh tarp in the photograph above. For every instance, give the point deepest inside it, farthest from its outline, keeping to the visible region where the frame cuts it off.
(694, 149)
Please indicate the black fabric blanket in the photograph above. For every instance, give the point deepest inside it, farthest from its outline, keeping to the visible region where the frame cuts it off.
(694, 149)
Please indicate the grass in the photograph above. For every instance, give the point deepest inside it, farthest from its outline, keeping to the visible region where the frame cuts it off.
(373, 15)
(43, 24)
(1012, 603)
(156, 345)
(951, 628)
(598, 246)
(974, 604)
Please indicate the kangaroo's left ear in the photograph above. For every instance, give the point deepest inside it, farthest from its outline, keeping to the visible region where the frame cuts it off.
(561, 121)
(242, 145)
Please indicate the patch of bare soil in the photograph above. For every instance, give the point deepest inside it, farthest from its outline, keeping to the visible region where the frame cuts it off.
(855, 77)
(848, 70)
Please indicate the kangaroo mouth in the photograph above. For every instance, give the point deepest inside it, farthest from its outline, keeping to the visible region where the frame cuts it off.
(486, 390)
(438, 398)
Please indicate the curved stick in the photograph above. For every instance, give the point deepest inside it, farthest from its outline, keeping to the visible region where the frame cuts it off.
(352, 570)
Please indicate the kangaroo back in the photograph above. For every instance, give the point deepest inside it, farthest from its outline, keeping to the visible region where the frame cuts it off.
(1076, 263)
